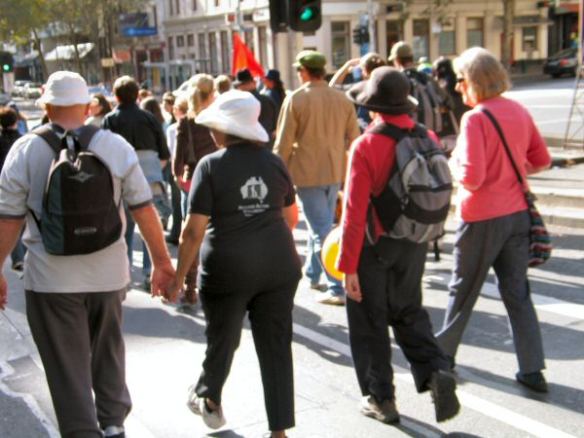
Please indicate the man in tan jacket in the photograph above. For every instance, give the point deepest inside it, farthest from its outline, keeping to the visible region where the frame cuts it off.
(315, 128)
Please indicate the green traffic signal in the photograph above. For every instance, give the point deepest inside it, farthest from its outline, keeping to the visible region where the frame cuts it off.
(307, 14)
(5, 67)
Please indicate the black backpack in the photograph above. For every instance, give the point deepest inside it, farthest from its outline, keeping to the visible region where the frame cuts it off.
(79, 214)
(416, 199)
(434, 104)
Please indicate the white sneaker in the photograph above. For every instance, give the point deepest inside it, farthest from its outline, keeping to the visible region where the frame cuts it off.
(213, 419)
(330, 298)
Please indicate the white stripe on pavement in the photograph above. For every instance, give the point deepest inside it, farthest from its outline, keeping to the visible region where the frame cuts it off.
(479, 405)
(541, 302)
(29, 400)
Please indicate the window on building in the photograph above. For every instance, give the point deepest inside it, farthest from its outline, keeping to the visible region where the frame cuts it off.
(171, 7)
(213, 53)
(195, 5)
(263, 45)
(190, 40)
(447, 42)
(218, 3)
(180, 41)
(420, 42)
(529, 38)
(394, 33)
(341, 42)
(225, 52)
(202, 46)
(177, 7)
(170, 48)
(474, 32)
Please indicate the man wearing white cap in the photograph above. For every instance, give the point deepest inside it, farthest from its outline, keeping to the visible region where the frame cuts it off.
(74, 303)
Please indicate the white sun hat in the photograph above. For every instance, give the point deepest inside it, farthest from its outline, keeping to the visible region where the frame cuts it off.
(65, 88)
(236, 113)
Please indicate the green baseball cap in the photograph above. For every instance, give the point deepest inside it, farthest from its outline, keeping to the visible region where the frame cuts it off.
(310, 59)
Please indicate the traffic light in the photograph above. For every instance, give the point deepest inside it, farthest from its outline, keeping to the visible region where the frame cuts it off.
(278, 16)
(360, 35)
(305, 15)
(6, 62)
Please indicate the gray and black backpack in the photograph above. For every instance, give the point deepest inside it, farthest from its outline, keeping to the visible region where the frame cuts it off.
(79, 213)
(416, 200)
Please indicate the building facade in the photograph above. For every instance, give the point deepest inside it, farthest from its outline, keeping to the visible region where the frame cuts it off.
(197, 33)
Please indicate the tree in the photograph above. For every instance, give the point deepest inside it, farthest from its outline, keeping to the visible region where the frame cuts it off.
(19, 21)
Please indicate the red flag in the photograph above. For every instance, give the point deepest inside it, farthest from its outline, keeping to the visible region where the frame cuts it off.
(243, 58)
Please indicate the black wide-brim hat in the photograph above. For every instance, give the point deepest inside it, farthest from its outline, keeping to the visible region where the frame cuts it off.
(386, 91)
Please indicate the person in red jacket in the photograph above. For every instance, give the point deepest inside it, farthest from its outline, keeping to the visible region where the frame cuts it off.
(383, 276)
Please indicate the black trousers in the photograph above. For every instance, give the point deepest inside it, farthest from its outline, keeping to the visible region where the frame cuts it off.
(390, 275)
(270, 314)
(79, 337)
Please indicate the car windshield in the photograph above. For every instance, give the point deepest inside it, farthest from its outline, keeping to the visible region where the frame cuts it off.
(34, 85)
(566, 53)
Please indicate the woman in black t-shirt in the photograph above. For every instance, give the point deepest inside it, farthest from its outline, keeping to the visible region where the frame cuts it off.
(241, 212)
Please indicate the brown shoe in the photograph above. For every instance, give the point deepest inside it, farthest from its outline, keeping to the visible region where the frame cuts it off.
(386, 411)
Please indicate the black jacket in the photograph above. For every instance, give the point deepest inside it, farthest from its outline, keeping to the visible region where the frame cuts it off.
(7, 139)
(139, 128)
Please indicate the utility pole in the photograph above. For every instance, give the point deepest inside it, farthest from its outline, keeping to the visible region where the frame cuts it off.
(508, 15)
(371, 24)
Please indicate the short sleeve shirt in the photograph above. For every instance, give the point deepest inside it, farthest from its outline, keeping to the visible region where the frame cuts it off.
(22, 185)
(243, 190)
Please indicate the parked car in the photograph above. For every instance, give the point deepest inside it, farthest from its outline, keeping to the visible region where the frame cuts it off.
(18, 88)
(562, 62)
(33, 90)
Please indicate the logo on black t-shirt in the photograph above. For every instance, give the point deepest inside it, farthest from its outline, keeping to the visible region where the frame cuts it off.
(254, 189)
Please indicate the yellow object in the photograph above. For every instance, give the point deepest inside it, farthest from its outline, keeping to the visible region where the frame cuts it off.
(330, 253)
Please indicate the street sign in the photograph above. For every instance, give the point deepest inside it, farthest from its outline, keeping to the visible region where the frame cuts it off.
(108, 62)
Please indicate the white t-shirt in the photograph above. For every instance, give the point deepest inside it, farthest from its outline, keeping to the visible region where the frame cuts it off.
(22, 185)
(171, 138)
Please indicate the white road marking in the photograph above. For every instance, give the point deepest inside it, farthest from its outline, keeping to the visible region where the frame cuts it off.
(503, 415)
(541, 302)
(29, 400)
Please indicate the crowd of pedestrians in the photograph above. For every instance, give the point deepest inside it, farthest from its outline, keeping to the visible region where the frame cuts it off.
(222, 167)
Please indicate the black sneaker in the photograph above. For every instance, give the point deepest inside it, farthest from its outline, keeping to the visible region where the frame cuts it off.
(386, 411)
(172, 240)
(18, 266)
(443, 389)
(534, 381)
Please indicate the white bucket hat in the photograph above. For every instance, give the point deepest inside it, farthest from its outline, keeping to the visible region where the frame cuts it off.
(65, 88)
(236, 113)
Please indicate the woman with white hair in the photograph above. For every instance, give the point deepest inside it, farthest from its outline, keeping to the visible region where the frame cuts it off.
(241, 212)
(494, 220)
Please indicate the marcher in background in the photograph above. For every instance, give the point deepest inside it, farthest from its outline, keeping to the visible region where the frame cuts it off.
(143, 93)
(425, 66)
(193, 142)
(74, 303)
(242, 203)
(491, 206)
(168, 100)
(361, 68)
(98, 108)
(22, 123)
(180, 109)
(313, 140)
(446, 78)
(274, 88)
(383, 276)
(244, 81)
(144, 132)
(8, 136)
(222, 84)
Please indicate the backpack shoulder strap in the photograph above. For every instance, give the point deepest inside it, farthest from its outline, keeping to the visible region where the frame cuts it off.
(48, 135)
(85, 135)
(398, 133)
